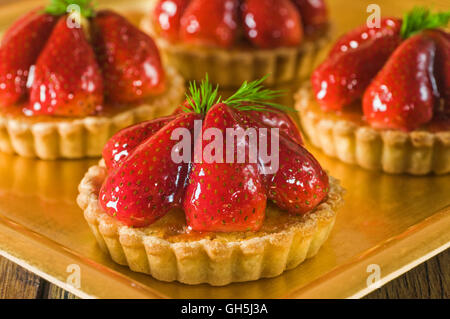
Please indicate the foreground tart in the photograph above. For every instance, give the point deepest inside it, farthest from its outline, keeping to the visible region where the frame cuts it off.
(382, 97)
(68, 83)
(239, 40)
(210, 218)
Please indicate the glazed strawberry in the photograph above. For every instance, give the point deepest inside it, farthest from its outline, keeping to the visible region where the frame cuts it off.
(210, 22)
(223, 196)
(129, 59)
(442, 69)
(149, 182)
(121, 145)
(279, 119)
(272, 23)
(353, 62)
(19, 50)
(403, 93)
(167, 16)
(314, 14)
(299, 184)
(67, 79)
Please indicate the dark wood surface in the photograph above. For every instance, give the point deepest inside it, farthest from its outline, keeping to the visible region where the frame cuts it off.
(428, 280)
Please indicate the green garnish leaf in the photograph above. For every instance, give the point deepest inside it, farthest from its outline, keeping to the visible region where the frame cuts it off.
(59, 7)
(251, 96)
(421, 18)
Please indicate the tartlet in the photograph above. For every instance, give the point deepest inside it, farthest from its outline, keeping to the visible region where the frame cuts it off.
(167, 251)
(381, 99)
(353, 141)
(51, 138)
(209, 221)
(242, 61)
(76, 85)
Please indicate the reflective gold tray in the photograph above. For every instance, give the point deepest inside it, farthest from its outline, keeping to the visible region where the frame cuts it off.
(389, 223)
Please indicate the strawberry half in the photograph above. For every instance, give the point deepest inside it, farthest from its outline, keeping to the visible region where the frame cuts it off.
(121, 145)
(67, 79)
(314, 14)
(166, 17)
(223, 196)
(442, 69)
(148, 183)
(210, 22)
(19, 50)
(130, 61)
(353, 62)
(403, 93)
(272, 23)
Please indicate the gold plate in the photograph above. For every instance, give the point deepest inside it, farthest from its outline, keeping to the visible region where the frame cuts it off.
(390, 222)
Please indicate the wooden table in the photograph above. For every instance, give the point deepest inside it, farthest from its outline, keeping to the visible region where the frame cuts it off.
(428, 280)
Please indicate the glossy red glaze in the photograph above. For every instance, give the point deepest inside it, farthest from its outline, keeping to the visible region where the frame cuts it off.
(272, 23)
(148, 183)
(67, 79)
(223, 196)
(19, 50)
(122, 144)
(130, 61)
(353, 62)
(166, 17)
(314, 14)
(403, 93)
(210, 22)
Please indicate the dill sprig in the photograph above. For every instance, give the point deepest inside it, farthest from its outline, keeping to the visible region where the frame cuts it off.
(59, 7)
(420, 18)
(251, 96)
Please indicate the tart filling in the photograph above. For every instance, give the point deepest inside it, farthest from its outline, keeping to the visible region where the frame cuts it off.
(353, 141)
(169, 251)
(58, 137)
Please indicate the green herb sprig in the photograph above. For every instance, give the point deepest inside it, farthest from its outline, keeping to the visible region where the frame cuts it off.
(251, 96)
(59, 7)
(421, 18)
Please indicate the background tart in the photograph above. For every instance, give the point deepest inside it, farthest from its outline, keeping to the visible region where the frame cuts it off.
(168, 251)
(348, 137)
(49, 137)
(229, 67)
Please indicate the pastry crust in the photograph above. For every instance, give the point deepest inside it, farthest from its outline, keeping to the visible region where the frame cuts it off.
(231, 67)
(82, 137)
(418, 152)
(217, 258)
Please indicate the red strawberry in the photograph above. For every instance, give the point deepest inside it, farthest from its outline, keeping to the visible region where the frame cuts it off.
(20, 48)
(129, 59)
(353, 62)
(121, 145)
(442, 69)
(210, 22)
(272, 23)
(314, 14)
(167, 16)
(223, 196)
(403, 93)
(389, 28)
(67, 79)
(148, 183)
(300, 183)
(282, 121)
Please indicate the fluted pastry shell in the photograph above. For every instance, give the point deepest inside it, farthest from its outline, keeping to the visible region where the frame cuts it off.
(214, 258)
(231, 67)
(53, 138)
(417, 152)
